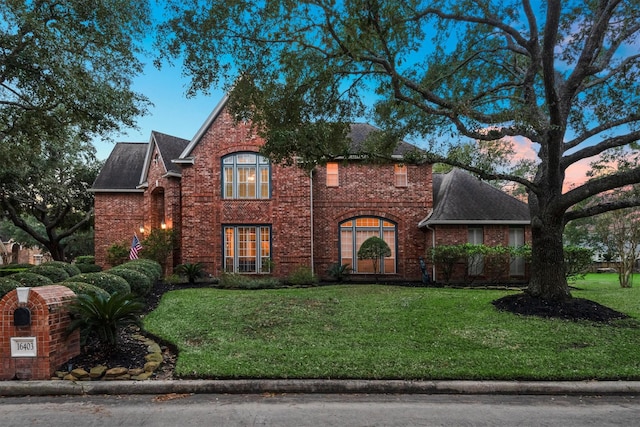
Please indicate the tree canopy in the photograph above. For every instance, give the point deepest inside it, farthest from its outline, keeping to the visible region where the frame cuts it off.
(65, 77)
(563, 75)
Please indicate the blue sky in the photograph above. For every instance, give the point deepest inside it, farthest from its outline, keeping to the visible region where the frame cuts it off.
(172, 113)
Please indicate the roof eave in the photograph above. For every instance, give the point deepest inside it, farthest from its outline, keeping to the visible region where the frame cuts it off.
(116, 190)
(424, 223)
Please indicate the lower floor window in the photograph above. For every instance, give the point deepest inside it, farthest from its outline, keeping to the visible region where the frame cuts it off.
(247, 249)
(355, 231)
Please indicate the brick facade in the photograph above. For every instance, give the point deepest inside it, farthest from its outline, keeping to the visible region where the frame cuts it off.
(303, 213)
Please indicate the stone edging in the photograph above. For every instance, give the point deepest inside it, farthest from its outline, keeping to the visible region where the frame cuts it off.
(104, 373)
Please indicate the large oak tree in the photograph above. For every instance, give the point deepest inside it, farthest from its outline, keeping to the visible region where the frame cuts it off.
(562, 74)
(66, 69)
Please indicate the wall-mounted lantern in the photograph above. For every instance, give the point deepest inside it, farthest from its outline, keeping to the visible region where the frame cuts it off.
(141, 229)
(163, 225)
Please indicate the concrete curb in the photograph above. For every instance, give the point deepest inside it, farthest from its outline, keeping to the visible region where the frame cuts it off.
(47, 388)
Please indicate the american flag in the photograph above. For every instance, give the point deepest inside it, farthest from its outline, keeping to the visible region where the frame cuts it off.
(135, 247)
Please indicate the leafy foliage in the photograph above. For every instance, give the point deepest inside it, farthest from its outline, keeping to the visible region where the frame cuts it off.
(31, 280)
(109, 282)
(117, 254)
(339, 272)
(85, 288)
(192, 271)
(577, 261)
(374, 249)
(157, 246)
(71, 269)
(302, 276)
(139, 283)
(102, 317)
(563, 76)
(152, 268)
(56, 274)
(7, 284)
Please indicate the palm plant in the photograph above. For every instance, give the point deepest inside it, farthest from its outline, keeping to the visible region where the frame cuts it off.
(102, 317)
(191, 271)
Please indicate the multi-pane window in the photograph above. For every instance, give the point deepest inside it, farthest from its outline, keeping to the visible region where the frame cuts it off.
(516, 239)
(245, 176)
(247, 249)
(332, 175)
(400, 175)
(476, 262)
(355, 231)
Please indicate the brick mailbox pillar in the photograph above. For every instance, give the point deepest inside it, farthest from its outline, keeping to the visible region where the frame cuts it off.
(33, 340)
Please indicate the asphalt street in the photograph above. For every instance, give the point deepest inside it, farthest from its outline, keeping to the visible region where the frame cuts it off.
(174, 409)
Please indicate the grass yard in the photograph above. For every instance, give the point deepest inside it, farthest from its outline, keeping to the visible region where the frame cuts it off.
(383, 332)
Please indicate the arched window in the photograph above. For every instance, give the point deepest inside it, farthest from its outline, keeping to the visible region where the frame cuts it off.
(355, 231)
(246, 176)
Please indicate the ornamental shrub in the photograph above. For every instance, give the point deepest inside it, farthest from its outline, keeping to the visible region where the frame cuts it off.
(86, 259)
(71, 269)
(7, 285)
(89, 268)
(109, 282)
(56, 274)
(117, 254)
(31, 280)
(153, 268)
(139, 283)
(102, 317)
(9, 269)
(302, 276)
(192, 271)
(84, 288)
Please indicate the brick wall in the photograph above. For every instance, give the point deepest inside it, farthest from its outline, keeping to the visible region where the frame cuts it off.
(118, 216)
(49, 322)
(369, 190)
(493, 235)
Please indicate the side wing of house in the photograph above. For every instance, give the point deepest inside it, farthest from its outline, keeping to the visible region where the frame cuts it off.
(119, 203)
(467, 210)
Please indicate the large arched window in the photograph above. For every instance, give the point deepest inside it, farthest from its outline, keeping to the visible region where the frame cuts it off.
(355, 231)
(245, 176)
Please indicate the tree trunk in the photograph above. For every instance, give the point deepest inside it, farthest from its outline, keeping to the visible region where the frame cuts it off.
(56, 250)
(548, 279)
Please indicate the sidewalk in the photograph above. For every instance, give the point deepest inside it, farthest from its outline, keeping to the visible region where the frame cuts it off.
(45, 388)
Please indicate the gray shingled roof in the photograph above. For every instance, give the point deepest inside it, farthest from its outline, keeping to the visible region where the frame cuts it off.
(121, 171)
(170, 148)
(460, 198)
(358, 133)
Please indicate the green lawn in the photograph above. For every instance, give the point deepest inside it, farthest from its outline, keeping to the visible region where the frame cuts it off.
(382, 332)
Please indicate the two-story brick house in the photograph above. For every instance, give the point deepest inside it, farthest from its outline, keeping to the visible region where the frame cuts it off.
(233, 210)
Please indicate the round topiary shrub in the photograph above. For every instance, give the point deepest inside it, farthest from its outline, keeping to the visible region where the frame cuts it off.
(7, 285)
(31, 280)
(81, 288)
(71, 269)
(147, 266)
(109, 282)
(56, 274)
(89, 268)
(140, 283)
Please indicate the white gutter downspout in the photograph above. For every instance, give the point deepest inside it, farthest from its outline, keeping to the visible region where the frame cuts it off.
(311, 215)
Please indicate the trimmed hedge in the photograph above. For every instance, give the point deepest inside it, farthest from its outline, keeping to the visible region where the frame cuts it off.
(151, 268)
(84, 288)
(56, 274)
(9, 269)
(31, 280)
(109, 282)
(71, 269)
(139, 282)
(7, 285)
(89, 268)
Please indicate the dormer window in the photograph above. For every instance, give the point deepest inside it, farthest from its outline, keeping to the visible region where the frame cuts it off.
(246, 176)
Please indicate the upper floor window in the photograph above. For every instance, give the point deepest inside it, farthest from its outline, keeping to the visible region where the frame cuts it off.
(400, 175)
(246, 176)
(332, 175)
